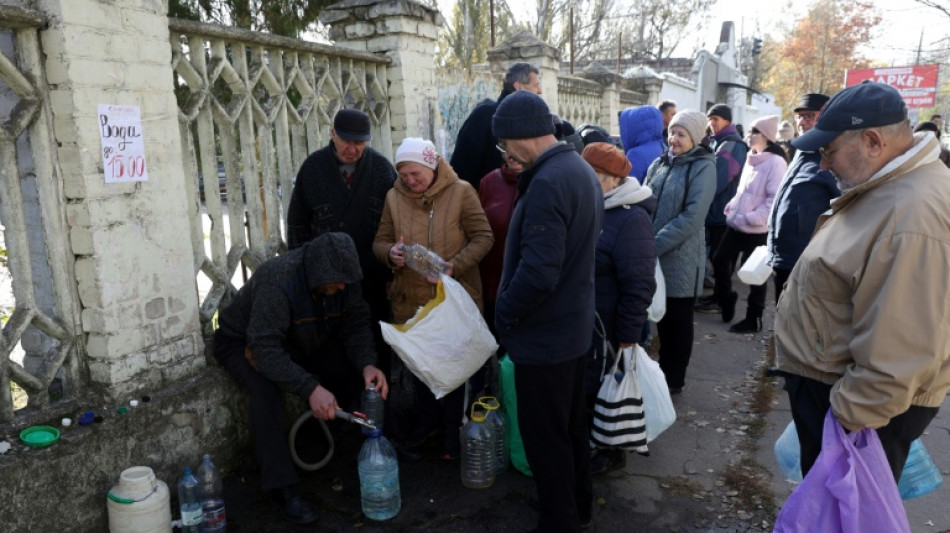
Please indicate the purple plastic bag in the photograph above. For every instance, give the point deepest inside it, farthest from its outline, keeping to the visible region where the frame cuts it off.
(850, 488)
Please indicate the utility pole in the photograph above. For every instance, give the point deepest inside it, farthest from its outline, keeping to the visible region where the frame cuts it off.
(619, 49)
(571, 14)
(919, 46)
(491, 12)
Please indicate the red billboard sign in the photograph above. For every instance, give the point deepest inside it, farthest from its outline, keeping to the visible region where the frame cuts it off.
(917, 85)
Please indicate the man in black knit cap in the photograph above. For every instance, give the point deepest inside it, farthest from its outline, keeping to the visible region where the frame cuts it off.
(544, 313)
(299, 325)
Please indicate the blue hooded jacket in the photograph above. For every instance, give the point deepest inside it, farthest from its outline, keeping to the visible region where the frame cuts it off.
(641, 131)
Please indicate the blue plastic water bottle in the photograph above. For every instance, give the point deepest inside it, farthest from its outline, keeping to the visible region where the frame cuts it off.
(379, 477)
(189, 499)
(372, 405)
(920, 474)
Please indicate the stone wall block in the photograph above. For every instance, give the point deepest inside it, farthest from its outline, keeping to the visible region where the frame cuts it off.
(358, 30)
(184, 368)
(80, 240)
(142, 23)
(155, 308)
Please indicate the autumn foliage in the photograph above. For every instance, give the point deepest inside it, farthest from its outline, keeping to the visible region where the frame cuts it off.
(818, 49)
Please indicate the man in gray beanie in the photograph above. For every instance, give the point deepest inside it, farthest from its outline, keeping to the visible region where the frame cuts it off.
(544, 313)
(299, 325)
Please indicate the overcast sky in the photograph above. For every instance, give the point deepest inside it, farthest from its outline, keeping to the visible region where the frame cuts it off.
(895, 43)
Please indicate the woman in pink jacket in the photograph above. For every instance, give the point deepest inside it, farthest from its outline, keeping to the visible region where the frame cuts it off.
(747, 217)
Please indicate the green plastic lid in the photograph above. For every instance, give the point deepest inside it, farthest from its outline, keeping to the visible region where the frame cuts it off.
(39, 436)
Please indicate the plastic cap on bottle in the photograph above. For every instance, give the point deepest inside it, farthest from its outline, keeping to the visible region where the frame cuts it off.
(187, 470)
(373, 433)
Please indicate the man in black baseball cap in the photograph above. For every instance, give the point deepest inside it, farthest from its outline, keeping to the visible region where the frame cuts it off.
(861, 328)
(342, 187)
(806, 192)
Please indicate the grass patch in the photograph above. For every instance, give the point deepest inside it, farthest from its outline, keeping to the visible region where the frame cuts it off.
(750, 481)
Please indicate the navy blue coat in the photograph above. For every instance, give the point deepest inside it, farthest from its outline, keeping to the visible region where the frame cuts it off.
(475, 154)
(805, 193)
(544, 312)
(731, 152)
(624, 266)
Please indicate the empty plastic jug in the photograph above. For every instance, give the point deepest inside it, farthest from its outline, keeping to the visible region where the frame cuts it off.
(478, 453)
(372, 405)
(497, 424)
(920, 474)
(379, 477)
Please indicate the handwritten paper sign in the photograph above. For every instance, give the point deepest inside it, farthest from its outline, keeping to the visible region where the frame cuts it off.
(123, 152)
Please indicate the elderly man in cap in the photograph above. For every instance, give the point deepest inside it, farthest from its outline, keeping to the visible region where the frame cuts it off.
(806, 192)
(862, 324)
(544, 313)
(342, 187)
(299, 325)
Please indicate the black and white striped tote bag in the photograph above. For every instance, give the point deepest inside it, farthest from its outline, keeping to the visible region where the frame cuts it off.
(618, 409)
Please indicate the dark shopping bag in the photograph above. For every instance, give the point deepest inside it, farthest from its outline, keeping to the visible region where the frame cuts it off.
(849, 489)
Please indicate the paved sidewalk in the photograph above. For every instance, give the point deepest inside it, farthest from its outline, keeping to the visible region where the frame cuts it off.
(705, 474)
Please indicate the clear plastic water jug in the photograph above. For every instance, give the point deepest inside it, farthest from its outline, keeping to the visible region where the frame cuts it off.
(497, 423)
(379, 477)
(478, 452)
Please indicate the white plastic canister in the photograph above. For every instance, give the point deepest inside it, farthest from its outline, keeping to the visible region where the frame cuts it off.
(139, 503)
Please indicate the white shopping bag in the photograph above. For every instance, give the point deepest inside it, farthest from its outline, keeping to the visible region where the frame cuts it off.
(657, 308)
(446, 341)
(658, 408)
(756, 269)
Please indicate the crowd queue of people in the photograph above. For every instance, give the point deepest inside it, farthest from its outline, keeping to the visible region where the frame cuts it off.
(545, 235)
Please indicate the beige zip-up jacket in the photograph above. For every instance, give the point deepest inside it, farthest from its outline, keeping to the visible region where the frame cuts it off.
(448, 219)
(867, 306)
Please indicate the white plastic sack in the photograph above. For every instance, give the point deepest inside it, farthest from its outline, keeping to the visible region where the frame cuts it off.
(618, 410)
(446, 341)
(658, 306)
(658, 408)
(756, 269)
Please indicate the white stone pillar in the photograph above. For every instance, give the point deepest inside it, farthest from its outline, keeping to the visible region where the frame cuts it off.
(133, 260)
(405, 31)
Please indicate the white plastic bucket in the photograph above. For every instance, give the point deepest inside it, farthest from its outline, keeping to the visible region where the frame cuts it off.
(756, 269)
(139, 503)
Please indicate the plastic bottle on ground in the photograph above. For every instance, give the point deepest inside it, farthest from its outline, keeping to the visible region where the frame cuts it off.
(478, 454)
(497, 424)
(379, 477)
(212, 497)
(373, 406)
(189, 499)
